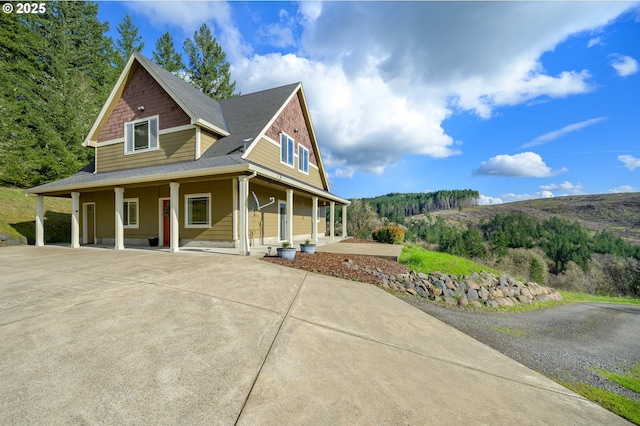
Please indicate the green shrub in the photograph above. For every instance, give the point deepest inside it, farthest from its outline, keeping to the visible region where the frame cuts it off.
(389, 235)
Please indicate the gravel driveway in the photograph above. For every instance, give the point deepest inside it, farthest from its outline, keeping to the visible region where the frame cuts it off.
(563, 342)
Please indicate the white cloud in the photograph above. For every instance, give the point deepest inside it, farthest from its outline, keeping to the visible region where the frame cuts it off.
(547, 137)
(512, 198)
(361, 119)
(622, 188)
(595, 41)
(487, 201)
(625, 65)
(630, 162)
(180, 14)
(381, 77)
(567, 187)
(524, 164)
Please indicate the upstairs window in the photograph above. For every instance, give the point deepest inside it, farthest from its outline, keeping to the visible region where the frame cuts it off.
(303, 159)
(141, 135)
(286, 149)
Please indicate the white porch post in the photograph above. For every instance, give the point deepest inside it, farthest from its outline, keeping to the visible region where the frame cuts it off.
(174, 203)
(332, 217)
(234, 218)
(344, 221)
(314, 219)
(75, 219)
(39, 221)
(243, 194)
(290, 216)
(119, 221)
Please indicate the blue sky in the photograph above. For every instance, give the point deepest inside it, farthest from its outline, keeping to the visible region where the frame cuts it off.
(517, 100)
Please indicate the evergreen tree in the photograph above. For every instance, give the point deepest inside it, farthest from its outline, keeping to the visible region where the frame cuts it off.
(166, 55)
(208, 68)
(128, 42)
(55, 72)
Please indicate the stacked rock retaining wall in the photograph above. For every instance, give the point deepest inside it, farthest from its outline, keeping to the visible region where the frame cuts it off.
(479, 289)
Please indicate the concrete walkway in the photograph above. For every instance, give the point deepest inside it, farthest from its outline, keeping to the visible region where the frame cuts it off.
(385, 251)
(146, 337)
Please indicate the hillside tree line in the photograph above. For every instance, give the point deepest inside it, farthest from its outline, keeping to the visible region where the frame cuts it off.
(555, 249)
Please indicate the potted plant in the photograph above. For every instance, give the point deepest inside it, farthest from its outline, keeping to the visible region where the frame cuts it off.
(153, 241)
(286, 251)
(308, 247)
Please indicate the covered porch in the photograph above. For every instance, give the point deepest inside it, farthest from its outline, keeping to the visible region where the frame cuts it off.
(235, 212)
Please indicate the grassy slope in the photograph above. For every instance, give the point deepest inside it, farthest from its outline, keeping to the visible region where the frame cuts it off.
(18, 210)
(619, 213)
(422, 260)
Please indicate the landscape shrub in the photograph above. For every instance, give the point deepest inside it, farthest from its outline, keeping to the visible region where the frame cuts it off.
(529, 263)
(389, 235)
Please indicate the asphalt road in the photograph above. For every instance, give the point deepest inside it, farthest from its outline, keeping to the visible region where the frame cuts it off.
(566, 342)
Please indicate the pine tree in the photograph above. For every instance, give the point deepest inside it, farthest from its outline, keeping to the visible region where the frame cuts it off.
(128, 42)
(208, 67)
(166, 55)
(55, 75)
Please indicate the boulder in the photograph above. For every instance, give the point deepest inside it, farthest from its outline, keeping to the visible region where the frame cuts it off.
(484, 293)
(472, 294)
(450, 300)
(421, 291)
(472, 285)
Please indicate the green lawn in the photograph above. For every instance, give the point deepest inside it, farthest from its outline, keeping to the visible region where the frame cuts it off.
(619, 404)
(572, 297)
(18, 211)
(425, 261)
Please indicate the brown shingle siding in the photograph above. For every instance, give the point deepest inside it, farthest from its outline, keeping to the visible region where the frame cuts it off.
(291, 118)
(142, 89)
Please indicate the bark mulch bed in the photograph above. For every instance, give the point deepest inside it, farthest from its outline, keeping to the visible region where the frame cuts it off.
(338, 265)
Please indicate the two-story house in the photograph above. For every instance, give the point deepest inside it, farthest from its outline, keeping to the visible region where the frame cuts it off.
(173, 164)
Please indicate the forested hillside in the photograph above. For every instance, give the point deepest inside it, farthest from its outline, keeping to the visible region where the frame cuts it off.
(396, 206)
(575, 242)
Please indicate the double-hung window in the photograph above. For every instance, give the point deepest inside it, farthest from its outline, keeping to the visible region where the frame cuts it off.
(286, 149)
(198, 211)
(130, 213)
(303, 159)
(141, 135)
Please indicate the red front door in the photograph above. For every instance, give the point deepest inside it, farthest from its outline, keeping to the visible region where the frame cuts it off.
(166, 223)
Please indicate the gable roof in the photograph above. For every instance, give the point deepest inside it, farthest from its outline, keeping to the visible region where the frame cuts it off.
(240, 122)
(247, 116)
(202, 110)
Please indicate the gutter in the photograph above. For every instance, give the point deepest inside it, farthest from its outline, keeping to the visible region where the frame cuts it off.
(239, 168)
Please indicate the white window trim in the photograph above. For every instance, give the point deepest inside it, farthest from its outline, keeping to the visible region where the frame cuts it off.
(300, 159)
(142, 120)
(286, 163)
(186, 211)
(137, 202)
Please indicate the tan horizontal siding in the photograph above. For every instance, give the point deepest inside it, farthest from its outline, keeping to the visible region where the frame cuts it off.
(172, 148)
(221, 211)
(264, 223)
(267, 154)
(206, 140)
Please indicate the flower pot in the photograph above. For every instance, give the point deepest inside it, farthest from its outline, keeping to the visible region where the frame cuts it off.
(287, 253)
(153, 242)
(308, 248)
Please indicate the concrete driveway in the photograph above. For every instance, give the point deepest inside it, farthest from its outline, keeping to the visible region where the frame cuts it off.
(142, 337)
